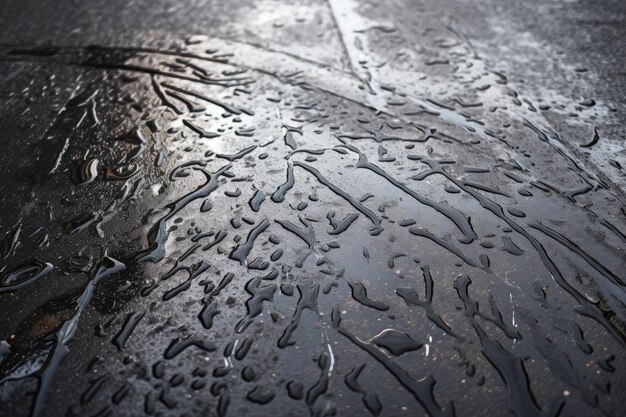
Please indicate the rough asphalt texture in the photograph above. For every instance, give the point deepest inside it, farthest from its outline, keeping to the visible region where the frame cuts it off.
(337, 208)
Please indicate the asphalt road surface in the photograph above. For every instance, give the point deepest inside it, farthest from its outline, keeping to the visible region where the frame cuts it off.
(313, 208)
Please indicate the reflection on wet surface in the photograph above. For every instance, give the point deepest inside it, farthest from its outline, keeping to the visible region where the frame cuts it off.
(217, 228)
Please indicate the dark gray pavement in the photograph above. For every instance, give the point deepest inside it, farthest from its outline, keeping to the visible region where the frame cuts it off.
(341, 208)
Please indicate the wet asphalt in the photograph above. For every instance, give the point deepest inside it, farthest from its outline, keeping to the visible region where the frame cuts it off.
(340, 208)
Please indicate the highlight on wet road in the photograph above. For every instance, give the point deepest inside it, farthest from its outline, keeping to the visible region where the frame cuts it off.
(312, 208)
